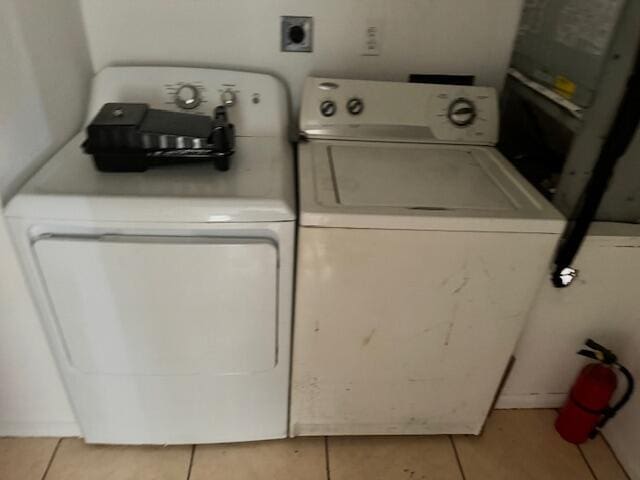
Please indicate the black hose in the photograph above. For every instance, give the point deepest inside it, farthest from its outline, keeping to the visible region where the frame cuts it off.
(616, 144)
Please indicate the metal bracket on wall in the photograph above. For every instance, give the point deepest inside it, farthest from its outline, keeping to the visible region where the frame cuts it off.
(618, 140)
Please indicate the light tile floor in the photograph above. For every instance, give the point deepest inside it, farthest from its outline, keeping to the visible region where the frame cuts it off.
(516, 445)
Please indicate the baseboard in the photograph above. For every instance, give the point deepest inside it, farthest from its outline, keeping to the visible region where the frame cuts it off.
(531, 400)
(39, 429)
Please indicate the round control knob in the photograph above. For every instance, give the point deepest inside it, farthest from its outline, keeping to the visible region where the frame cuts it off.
(355, 106)
(228, 98)
(328, 108)
(188, 97)
(462, 112)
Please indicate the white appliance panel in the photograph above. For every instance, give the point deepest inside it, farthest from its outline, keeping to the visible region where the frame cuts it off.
(394, 111)
(204, 407)
(258, 187)
(357, 184)
(415, 178)
(129, 305)
(411, 331)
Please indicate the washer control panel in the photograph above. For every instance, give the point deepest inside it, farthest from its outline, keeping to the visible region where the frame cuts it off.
(372, 110)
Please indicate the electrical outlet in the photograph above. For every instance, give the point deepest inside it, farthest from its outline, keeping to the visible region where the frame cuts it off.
(296, 34)
(372, 39)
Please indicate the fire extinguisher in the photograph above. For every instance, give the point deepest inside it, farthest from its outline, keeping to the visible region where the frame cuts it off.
(587, 408)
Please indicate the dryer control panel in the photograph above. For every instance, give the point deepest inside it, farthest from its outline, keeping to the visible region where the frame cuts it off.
(394, 111)
(256, 104)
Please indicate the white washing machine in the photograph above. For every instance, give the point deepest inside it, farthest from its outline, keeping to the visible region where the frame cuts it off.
(166, 295)
(420, 250)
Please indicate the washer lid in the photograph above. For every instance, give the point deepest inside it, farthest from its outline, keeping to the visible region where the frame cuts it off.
(394, 177)
(409, 186)
(259, 187)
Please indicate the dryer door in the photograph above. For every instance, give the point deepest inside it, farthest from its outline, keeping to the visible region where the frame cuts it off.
(129, 305)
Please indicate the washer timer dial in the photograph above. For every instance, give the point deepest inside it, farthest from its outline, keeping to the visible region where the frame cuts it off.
(188, 97)
(462, 112)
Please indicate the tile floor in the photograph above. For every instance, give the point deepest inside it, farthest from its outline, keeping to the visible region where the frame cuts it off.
(516, 445)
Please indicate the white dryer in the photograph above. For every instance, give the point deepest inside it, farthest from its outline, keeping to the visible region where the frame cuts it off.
(420, 250)
(166, 295)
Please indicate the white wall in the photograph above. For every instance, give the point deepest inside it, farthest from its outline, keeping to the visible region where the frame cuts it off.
(43, 85)
(602, 304)
(44, 74)
(419, 36)
(46, 62)
(45, 67)
(624, 432)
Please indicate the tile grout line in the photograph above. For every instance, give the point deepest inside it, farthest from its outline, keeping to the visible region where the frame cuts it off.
(615, 456)
(455, 452)
(584, 457)
(53, 455)
(193, 451)
(326, 457)
(586, 461)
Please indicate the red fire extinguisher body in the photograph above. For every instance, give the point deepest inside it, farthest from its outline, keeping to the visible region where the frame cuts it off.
(588, 401)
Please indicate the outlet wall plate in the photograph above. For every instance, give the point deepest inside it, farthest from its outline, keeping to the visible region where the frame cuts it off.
(296, 34)
(372, 38)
